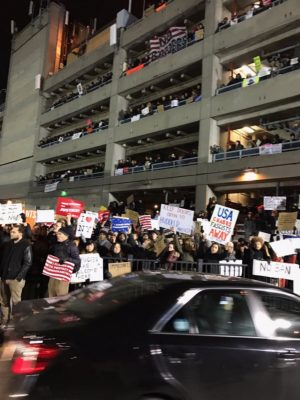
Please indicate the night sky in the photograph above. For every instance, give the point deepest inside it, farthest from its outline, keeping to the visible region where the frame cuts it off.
(80, 10)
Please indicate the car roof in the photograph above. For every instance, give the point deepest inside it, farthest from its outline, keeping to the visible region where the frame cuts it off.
(196, 279)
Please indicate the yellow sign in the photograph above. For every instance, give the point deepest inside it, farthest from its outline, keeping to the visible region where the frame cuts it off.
(287, 221)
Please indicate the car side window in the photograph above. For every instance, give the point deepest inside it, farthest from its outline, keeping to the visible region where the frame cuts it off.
(214, 312)
(284, 312)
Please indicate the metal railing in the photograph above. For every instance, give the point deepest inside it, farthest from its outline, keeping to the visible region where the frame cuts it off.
(255, 151)
(248, 16)
(157, 166)
(77, 95)
(226, 269)
(154, 110)
(67, 138)
(272, 74)
(74, 178)
(189, 43)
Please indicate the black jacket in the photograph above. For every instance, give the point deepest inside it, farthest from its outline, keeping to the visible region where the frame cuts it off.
(16, 259)
(67, 251)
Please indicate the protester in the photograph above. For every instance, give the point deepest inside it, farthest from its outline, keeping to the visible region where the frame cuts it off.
(64, 250)
(16, 259)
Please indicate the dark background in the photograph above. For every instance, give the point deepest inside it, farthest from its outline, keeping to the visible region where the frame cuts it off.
(80, 10)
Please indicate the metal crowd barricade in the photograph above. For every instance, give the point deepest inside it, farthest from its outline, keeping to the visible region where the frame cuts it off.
(142, 265)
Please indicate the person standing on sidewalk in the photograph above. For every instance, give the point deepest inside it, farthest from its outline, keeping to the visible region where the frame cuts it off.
(64, 250)
(16, 259)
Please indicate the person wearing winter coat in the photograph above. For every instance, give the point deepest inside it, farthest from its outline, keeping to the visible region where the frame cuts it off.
(64, 250)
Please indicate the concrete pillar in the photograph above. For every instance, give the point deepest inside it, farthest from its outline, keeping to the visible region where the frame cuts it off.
(213, 15)
(117, 102)
(203, 193)
(114, 152)
(209, 135)
(212, 75)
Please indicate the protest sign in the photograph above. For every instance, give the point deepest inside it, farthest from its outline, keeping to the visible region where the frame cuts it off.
(30, 217)
(103, 215)
(55, 270)
(119, 224)
(274, 203)
(67, 206)
(133, 215)
(10, 213)
(286, 221)
(175, 217)
(145, 221)
(222, 224)
(117, 269)
(50, 187)
(297, 225)
(159, 245)
(283, 248)
(270, 149)
(265, 236)
(91, 269)
(205, 225)
(231, 268)
(45, 216)
(76, 135)
(85, 224)
(155, 224)
(276, 270)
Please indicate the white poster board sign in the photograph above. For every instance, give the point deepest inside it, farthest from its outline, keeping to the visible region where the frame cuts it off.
(175, 217)
(50, 187)
(276, 270)
(265, 236)
(91, 269)
(222, 224)
(155, 224)
(76, 135)
(231, 268)
(275, 203)
(10, 213)
(85, 224)
(283, 248)
(45, 216)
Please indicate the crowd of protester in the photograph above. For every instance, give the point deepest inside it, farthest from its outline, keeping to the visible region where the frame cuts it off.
(195, 32)
(82, 131)
(81, 90)
(149, 160)
(253, 9)
(68, 175)
(254, 142)
(162, 104)
(281, 62)
(26, 249)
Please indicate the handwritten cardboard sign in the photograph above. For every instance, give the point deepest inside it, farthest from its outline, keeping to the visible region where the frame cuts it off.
(117, 269)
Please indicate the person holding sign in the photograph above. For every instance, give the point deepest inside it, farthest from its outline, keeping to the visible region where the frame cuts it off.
(257, 251)
(16, 259)
(64, 250)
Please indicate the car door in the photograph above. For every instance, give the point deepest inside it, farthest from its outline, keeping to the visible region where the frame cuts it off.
(209, 348)
(283, 309)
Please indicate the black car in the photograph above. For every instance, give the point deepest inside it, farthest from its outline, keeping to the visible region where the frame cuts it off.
(157, 336)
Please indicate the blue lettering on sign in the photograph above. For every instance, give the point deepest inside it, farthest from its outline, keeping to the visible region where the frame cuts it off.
(225, 213)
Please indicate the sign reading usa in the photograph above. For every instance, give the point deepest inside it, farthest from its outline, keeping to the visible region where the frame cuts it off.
(222, 224)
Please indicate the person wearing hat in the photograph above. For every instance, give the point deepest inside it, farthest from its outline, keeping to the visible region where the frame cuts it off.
(64, 250)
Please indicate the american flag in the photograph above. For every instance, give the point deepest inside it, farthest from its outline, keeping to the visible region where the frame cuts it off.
(103, 216)
(55, 270)
(159, 42)
(145, 221)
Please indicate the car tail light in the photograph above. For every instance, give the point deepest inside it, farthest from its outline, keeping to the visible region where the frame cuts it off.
(33, 358)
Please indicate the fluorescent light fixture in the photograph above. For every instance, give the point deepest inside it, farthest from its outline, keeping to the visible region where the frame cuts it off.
(248, 129)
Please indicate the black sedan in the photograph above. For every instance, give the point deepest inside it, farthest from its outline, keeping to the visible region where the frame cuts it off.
(157, 336)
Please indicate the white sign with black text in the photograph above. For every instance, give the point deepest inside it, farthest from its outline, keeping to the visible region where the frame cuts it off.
(91, 269)
(85, 224)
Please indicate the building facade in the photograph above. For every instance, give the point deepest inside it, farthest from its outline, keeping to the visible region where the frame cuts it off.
(74, 111)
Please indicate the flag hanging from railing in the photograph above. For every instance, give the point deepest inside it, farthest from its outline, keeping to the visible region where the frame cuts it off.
(172, 41)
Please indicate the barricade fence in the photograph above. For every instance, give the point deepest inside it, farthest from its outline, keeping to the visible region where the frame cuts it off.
(225, 268)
